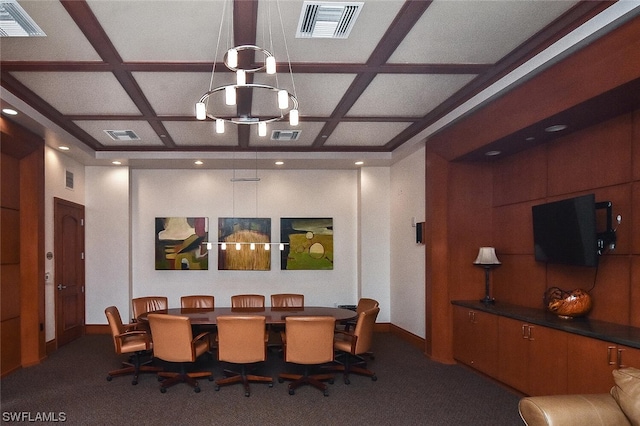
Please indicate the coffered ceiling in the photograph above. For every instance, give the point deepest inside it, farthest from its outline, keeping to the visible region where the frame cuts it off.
(407, 70)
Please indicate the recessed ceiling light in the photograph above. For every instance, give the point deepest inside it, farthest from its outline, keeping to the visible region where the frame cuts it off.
(117, 163)
(63, 148)
(359, 163)
(492, 153)
(198, 163)
(9, 111)
(279, 163)
(555, 128)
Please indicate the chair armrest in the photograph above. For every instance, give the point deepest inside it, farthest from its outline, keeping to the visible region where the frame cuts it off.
(570, 410)
(348, 335)
(200, 336)
(134, 333)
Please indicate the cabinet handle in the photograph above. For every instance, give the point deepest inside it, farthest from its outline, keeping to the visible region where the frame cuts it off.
(530, 334)
(609, 349)
(620, 364)
(524, 331)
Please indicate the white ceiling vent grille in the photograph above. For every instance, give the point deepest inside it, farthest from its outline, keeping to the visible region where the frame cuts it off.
(15, 22)
(122, 135)
(285, 135)
(327, 20)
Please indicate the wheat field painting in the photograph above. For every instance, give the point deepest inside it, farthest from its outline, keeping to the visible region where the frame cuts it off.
(238, 253)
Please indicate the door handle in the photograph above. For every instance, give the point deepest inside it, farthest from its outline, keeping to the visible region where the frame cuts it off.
(60, 286)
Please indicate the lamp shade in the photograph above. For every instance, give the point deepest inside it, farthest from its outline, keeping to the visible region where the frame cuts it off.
(487, 256)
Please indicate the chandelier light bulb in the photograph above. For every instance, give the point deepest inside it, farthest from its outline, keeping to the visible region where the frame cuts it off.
(241, 77)
(252, 246)
(232, 58)
(281, 246)
(223, 246)
(283, 99)
(267, 247)
(271, 65)
(230, 95)
(293, 117)
(219, 125)
(262, 129)
(238, 247)
(209, 246)
(201, 111)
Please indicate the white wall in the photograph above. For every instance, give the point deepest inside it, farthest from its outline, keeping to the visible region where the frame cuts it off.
(107, 248)
(209, 193)
(374, 238)
(407, 201)
(56, 165)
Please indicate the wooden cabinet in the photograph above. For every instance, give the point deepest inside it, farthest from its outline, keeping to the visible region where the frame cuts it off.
(532, 358)
(475, 339)
(591, 362)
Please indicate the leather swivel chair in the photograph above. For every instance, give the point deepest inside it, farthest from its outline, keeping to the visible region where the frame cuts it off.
(128, 340)
(173, 342)
(364, 304)
(247, 301)
(352, 345)
(197, 301)
(242, 340)
(308, 341)
(287, 300)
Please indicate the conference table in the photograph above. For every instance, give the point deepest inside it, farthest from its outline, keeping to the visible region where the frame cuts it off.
(208, 316)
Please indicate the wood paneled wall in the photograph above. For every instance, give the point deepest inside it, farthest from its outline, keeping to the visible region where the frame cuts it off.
(22, 339)
(469, 205)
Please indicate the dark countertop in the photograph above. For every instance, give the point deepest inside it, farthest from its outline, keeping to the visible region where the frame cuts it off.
(610, 332)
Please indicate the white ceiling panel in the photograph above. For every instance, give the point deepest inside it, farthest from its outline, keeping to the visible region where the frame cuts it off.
(364, 134)
(475, 31)
(407, 95)
(80, 92)
(161, 30)
(200, 133)
(141, 128)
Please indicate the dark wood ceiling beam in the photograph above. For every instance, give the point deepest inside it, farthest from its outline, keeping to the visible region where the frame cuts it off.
(82, 15)
(404, 21)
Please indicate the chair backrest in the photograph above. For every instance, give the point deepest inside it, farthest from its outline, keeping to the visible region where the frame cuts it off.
(247, 301)
(309, 340)
(241, 338)
(364, 304)
(115, 325)
(364, 330)
(172, 337)
(143, 305)
(287, 300)
(197, 301)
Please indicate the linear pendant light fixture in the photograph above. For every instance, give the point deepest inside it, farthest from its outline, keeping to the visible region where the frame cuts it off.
(285, 103)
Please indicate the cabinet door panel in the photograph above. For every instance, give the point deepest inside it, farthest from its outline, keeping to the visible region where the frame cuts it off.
(590, 363)
(513, 353)
(475, 339)
(547, 362)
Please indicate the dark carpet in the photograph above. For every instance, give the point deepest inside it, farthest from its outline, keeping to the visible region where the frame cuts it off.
(71, 385)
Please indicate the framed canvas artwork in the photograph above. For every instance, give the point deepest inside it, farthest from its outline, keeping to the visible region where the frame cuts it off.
(244, 244)
(179, 243)
(308, 243)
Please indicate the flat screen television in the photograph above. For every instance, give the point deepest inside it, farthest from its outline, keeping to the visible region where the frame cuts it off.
(565, 231)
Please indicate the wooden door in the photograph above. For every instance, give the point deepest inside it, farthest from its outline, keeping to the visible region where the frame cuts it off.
(69, 270)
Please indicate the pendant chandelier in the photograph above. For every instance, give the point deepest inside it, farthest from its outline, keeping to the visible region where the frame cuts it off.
(245, 60)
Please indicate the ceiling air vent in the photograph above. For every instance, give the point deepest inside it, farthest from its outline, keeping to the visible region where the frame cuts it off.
(285, 135)
(327, 20)
(15, 22)
(123, 135)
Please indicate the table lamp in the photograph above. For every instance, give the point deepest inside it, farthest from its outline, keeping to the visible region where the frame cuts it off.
(487, 259)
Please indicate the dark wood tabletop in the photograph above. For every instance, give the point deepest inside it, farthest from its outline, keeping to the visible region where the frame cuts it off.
(208, 316)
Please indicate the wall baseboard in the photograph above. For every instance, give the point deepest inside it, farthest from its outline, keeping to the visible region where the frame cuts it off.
(97, 329)
(407, 336)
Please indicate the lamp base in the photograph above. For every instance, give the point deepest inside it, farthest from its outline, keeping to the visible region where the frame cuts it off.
(488, 301)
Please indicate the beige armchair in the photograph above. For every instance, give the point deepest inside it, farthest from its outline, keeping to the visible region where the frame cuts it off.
(128, 340)
(287, 300)
(619, 407)
(308, 341)
(242, 340)
(247, 301)
(352, 345)
(197, 301)
(174, 342)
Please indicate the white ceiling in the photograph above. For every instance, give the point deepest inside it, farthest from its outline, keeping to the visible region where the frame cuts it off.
(142, 65)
